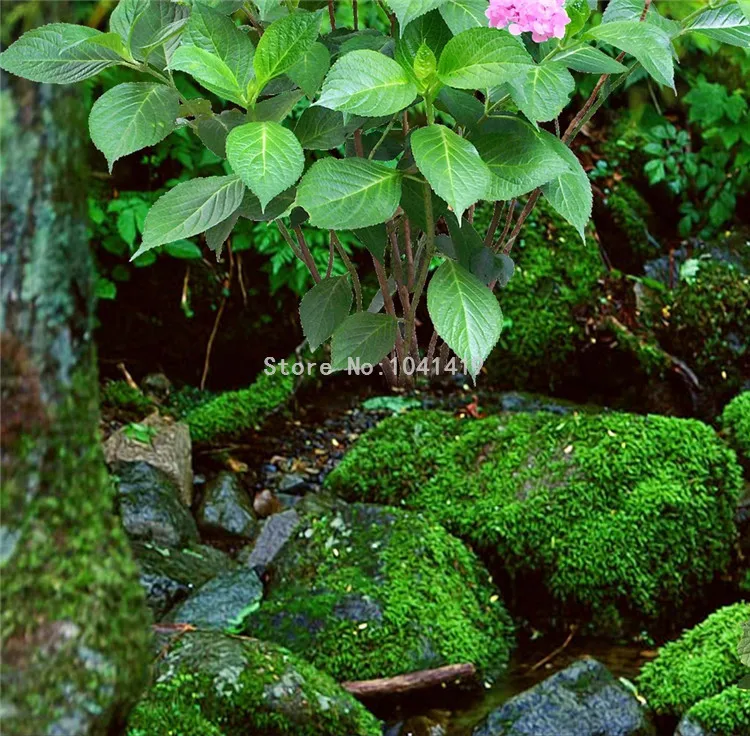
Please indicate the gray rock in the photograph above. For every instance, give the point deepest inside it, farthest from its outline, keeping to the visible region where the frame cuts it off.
(582, 700)
(150, 508)
(169, 576)
(169, 450)
(226, 509)
(277, 530)
(244, 686)
(222, 603)
(294, 483)
(688, 727)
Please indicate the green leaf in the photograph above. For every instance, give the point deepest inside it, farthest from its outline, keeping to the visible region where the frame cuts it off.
(214, 129)
(451, 165)
(345, 194)
(285, 43)
(585, 58)
(132, 116)
(578, 11)
(364, 336)
(113, 42)
(184, 250)
(267, 157)
(367, 83)
(466, 243)
(374, 239)
(324, 308)
(412, 202)
(429, 30)
(726, 23)
(541, 92)
(227, 7)
(408, 10)
(217, 235)
(482, 57)
(275, 109)
(277, 207)
(465, 314)
(191, 208)
(320, 129)
(743, 650)
(213, 32)
(308, 73)
(210, 71)
(105, 289)
(489, 266)
(58, 53)
(570, 192)
(519, 158)
(647, 43)
(460, 15)
(463, 106)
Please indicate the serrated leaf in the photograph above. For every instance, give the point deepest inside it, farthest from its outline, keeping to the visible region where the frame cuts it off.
(284, 43)
(489, 266)
(345, 194)
(451, 165)
(408, 10)
(131, 116)
(518, 157)
(217, 235)
(647, 43)
(743, 649)
(463, 106)
(584, 58)
(466, 242)
(184, 250)
(367, 83)
(429, 30)
(460, 15)
(726, 23)
(541, 92)
(276, 108)
(213, 32)
(570, 192)
(374, 238)
(412, 202)
(308, 73)
(210, 71)
(58, 53)
(320, 129)
(267, 157)
(113, 42)
(324, 308)
(465, 314)
(191, 208)
(277, 207)
(364, 336)
(214, 129)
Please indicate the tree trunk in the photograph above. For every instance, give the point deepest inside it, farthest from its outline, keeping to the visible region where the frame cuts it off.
(74, 622)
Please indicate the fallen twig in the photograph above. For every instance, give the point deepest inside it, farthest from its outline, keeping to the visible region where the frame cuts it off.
(411, 681)
(557, 651)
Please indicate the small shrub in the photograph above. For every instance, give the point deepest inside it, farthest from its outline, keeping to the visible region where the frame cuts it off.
(727, 713)
(120, 395)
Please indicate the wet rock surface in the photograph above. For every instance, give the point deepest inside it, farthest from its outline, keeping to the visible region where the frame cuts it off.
(581, 700)
(226, 509)
(276, 531)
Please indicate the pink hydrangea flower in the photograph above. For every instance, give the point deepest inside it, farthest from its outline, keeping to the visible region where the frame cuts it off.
(544, 19)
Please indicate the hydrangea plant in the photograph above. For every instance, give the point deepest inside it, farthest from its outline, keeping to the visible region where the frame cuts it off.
(402, 134)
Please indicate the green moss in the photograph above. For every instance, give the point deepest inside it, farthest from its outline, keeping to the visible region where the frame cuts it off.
(74, 618)
(629, 213)
(652, 359)
(727, 713)
(120, 395)
(367, 592)
(545, 304)
(700, 664)
(745, 582)
(613, 512)
(735, 421)
(708, 324)
(233, 412)
(232, 686)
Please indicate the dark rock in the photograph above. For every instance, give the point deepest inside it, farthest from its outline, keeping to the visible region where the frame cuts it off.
(277, 529)
(156, 385)
(582, 700)
(169, 576)
(222, 603)
(516, 401)
(150, 508)
(294, 483)
(209, 684)
(287, 500)
(226, 509)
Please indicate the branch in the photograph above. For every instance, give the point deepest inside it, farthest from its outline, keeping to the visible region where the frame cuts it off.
(410, 682)
(350, 268)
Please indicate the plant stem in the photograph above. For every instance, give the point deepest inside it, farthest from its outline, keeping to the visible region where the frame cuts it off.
(355, 14)
(350, 268)
(382, 137)
(332, 15)
(497, 213)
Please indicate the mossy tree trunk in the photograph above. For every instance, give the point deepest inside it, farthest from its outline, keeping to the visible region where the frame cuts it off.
(74, 622)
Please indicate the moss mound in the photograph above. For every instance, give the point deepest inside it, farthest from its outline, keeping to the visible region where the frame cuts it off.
(697, 666)
(613, 513)
(233, 412)
(727, 713)
(545, 304)
(217, 685)
(365, 591)
(120, 395)
(735, 421)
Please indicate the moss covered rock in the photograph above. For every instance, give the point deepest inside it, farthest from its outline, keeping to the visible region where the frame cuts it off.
(121, 396)
(735, 422)
(698, 666)
(545, 304)
(366, 591)
(233, 412)
(725, 714)
(210, 684)
(615, 514)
